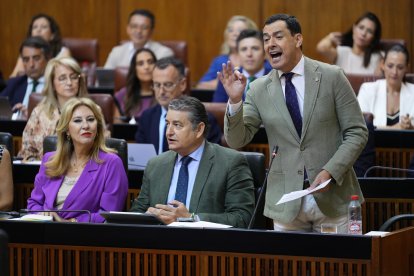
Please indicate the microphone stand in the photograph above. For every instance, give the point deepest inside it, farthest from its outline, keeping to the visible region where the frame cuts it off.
(263, 188)
(23, 211)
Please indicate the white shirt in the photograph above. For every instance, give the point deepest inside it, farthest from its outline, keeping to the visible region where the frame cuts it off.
(192, 173)
(39, 88)
(162, 129)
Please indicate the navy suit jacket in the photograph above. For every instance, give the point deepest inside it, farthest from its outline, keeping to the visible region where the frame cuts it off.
(15, 90)
(148, 128)
(220, 95)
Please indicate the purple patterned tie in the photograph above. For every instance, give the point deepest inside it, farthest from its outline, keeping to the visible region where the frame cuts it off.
(182, 182)
(292, 102)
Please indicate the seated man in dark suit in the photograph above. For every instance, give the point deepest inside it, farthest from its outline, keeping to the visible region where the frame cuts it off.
(35, 53)
(249, 46)
(196, 179)
(169, 83)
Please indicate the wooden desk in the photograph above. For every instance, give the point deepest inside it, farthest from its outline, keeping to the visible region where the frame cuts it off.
(113, 249)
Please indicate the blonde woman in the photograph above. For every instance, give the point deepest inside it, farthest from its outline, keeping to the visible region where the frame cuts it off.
(63, 81)
(83, 174)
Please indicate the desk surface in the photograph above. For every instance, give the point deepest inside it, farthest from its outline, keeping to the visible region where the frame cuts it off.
(173, 238)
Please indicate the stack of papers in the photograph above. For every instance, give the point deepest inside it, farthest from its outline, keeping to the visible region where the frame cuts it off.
(34, 217)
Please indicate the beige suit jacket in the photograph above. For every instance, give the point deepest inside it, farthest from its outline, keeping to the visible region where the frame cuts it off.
(333, 135)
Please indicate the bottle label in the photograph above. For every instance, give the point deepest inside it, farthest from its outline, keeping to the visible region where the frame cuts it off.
(355, 227)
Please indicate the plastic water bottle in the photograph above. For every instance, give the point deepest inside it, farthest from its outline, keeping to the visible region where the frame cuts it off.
(88, 73)
(354, 216)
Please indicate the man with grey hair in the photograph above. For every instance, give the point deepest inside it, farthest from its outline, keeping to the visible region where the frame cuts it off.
(199, 180)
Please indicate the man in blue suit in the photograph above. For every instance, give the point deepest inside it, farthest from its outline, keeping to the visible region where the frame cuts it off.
(252, 58)
(35, 53)
(169, 83)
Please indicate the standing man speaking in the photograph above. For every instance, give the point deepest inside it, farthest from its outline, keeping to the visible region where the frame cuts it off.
(310, 111)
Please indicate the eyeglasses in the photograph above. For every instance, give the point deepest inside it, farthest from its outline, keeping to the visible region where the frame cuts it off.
(168, 86)
(63, 79)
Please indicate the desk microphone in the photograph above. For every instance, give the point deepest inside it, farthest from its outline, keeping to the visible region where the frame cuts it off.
(387, 168)
(26, 211)
(263, 188)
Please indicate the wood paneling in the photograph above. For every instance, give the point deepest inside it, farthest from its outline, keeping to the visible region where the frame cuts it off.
(201, 23)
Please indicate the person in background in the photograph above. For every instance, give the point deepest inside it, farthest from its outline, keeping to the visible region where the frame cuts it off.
(235, 25)
(6, 183)
(46, 27)
(390, 100)
(63, 81)
(252, 60)
(358, 50)
(82, 174)
(310, 111)
(35, 53)
(169, 82)
(219, 185)
(138, 94)
(141, 24)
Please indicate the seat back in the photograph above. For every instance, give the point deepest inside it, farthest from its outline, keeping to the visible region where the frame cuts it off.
(179, 48)
(7, 140)
(387, 43)
(34, 100)
(120, 78)
(356, 80)
(106, 102)
(257, 165)
(83, 49)
(120, 145)
(218, 110)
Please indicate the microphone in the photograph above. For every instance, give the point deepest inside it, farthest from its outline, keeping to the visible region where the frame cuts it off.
(263, 188)
(26, 211)
(387, 168)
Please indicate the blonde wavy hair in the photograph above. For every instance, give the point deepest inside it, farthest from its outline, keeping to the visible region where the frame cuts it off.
(60, 162)
(225, 49)
(50, 102)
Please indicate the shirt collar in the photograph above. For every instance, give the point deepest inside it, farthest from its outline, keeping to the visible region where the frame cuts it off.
(197, 154)
(299, 69)
(39, 80)
(259, 74)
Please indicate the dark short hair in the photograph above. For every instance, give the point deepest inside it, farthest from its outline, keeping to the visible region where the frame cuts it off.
(38, 43)
(292, 22)
(165, 62)
(56, 42)
(195, 108)
(247, 34)
(145, 13)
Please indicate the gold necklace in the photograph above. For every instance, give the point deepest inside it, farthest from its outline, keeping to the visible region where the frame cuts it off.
(75, 165)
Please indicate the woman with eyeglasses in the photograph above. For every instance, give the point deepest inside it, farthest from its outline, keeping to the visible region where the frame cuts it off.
(46, 27)
(358, 50)
(137, 95)
(63, 81)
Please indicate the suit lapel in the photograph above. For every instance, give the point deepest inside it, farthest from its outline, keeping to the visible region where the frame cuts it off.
(85, 179)
(274, 88)
(202, 176)
(164, 181)
(312, 82)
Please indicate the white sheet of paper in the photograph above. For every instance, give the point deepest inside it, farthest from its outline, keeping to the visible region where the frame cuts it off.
(199, 224)
(298, 194)
(36, 162)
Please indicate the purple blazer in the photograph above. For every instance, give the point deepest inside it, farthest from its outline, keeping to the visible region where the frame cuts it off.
(100, 187)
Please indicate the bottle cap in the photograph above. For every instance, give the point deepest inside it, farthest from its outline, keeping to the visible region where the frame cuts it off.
(354, 197)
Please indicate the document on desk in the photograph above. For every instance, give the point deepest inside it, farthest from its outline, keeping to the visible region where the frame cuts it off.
(298, 194)
(199, 224)
(35, 162)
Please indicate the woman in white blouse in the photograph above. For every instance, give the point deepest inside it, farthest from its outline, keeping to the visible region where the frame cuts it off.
(391, 100)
